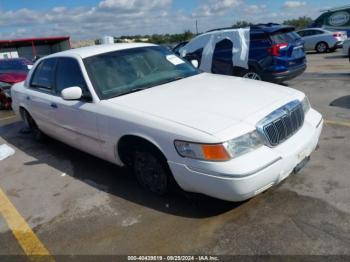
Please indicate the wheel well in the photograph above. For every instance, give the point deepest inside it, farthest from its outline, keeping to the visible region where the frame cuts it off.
(320, 43)
(129, 143)
(21, 110)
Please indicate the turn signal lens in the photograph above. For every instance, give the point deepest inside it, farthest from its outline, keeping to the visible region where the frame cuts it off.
(208, 152)
(215, 153)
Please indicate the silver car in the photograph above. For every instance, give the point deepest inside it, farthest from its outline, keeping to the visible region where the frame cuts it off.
(322, 40)
(346, 47)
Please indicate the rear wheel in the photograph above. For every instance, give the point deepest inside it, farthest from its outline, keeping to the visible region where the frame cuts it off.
(152, 171)
(32, 126)
(251, 74)
(322, 47)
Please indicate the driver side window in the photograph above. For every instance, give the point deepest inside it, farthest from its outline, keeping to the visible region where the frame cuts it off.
(68, 74)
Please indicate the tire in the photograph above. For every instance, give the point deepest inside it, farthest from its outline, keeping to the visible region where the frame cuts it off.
(322, 47)
(251, 74)
(152, 171)
(32, 126)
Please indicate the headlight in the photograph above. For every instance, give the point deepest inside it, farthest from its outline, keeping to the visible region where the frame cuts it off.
(243, 144)
(306, 104)
(219, 152)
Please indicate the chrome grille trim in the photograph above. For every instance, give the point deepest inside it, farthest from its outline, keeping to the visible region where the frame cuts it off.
(281, 124)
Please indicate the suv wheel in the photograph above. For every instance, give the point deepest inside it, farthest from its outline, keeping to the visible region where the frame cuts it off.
(251, 75)
(322, 47)
(151, 171)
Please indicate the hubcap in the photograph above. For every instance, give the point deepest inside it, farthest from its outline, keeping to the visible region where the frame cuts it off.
(322, 47)
(252, 75)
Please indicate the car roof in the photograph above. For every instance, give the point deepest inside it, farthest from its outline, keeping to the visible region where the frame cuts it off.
(14, 59)
(89, 51)
(19, 59)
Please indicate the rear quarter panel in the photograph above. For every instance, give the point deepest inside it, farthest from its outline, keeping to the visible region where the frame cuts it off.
(18, 93)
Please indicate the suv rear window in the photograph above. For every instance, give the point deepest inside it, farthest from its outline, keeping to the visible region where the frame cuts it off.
(280, 38)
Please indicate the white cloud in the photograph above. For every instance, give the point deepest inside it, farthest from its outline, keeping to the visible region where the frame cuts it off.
(133, 5)
(215, 7)
(293, 4)
(130, 17)
(254, 9)
(109, 17)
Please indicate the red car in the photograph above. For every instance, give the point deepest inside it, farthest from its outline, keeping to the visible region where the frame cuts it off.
(12, 71)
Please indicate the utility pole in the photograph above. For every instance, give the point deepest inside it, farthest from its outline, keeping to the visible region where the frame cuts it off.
(196, 27)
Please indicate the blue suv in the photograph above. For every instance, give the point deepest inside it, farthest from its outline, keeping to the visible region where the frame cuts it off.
(276, 54)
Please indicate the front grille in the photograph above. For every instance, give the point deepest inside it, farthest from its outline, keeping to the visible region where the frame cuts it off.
(282, 123)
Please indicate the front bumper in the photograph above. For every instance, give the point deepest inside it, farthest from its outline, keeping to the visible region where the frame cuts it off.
(251, 174)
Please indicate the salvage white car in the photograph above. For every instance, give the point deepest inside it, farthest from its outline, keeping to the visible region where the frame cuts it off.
(140, 106)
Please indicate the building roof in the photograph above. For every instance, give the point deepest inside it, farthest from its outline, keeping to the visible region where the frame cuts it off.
(88, 51)
(29, 41)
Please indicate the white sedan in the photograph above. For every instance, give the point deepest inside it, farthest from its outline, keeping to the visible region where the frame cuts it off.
(140, 106)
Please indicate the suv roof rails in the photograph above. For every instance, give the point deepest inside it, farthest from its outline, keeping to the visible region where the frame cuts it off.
(218, 29)
(266, 25)
(254, 26)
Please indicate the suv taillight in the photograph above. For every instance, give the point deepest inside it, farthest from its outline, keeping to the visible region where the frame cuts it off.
(336, 35)
(275, 49)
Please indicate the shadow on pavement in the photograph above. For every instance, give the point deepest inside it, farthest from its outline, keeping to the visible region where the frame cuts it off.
(110, 178)
(336, 57)
(343, 102)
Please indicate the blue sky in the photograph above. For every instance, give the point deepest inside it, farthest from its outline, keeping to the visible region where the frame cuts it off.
(90, 19)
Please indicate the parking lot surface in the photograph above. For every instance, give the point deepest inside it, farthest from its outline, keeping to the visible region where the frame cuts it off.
(77, 204)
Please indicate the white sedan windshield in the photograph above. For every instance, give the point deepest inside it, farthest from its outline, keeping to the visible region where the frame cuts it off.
(126, 71)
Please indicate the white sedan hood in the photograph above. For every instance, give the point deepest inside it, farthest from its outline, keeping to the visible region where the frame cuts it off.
(209, 103)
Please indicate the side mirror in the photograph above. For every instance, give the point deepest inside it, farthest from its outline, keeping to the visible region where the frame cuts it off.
(72, 93)
(195, 63)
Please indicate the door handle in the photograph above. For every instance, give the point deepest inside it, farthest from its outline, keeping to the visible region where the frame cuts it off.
(53, 105)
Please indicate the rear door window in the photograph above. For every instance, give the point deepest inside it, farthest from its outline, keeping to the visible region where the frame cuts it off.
(43, 78)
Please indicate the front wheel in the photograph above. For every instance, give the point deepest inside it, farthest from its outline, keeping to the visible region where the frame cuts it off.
(151, 171)
(250, 74)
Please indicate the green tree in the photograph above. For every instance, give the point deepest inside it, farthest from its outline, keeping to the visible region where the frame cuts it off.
(241, 24)
(299, 23)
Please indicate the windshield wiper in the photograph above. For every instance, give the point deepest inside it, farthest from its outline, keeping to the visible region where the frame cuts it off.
(172, 80)
(134, 90)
